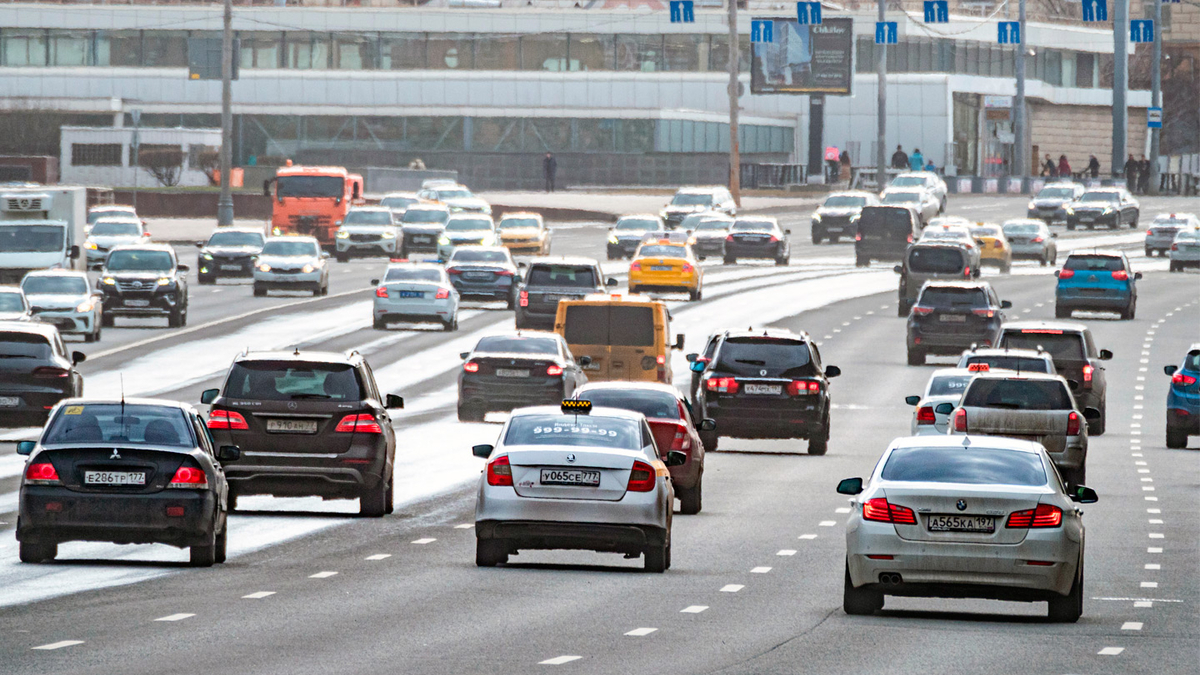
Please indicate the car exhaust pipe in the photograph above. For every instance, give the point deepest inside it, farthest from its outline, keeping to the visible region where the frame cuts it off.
(890, 578)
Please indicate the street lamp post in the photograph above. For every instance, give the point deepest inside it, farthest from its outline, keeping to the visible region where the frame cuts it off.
(735, 160)
(225, 203)
(1120, 111)
(881, 114)
(1155, 97)
(1020, 118)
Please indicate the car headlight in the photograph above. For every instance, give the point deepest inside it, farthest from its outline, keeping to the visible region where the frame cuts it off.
(1108, 210)
(108, 281)
(1068, 210)
(264, 268)
(855, 217)
(85, 306)
(207, 256)
(487, 210)
(444, 241)
(816, 217)
(91, 245)
(308, 269)
(389, 235)
(612, 239)
(342, 234)
(163, 281)
(1032, 205)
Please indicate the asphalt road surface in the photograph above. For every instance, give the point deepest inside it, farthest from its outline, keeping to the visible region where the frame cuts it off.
(755, 585)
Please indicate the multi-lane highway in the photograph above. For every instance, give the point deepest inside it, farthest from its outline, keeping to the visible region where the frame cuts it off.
(756, 580)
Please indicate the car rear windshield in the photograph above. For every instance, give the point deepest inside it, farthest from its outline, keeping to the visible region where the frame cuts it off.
(971, 466)
(908, 181)
(614, 325)
(290, 380)
(765, 357)
(1192, 360)
(1018, 394)
(368, 218)
(662, 252)
(468, 224)
(949, 385)
(752, 226)
(454, 194)
(425, 216)
(236, 239)
(516, 223)
(1190, 235)
(1094, 263)
(653, 404)
(565, 276)
(290, 248)
(24, 346)
(412, 274)
(885, 223)
(465, 255)
(1100, 197)
(1062, 346)
(1022, 228)
(310, 186)
(124, 424)
(93, 216)
(54, 285)
(1056, 193)
(577, 430)
(116, 229)
(846, 201)
(691, 200)
(1022, 363)
(517, 345)
(712, 224)
(11, 302)
(950, 297)
(901, 198)
(398, 202)
(987, 232)
(940, 260)
(638, 224)
(139, 261)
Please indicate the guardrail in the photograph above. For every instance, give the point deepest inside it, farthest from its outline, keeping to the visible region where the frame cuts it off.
(772, 175)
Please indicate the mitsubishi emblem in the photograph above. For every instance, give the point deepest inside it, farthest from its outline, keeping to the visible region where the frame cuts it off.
(115, 455)
(571, 458)
(962, 505)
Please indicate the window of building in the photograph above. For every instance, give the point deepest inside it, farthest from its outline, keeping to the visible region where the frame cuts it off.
(544, 52)
(1053, 68)
(1085, 70)
(260, 50)
(402, 51)
(546, 134)
(634, 135)
(682, 52)
(164, 48)
(95, 154)
(639, 52)
(496, 134)
(501, 52)
(70, 48)
(434, 133)
(24, 47)
(152, 155)
(719, 53)
(451, 51)
(119, 48)
(307, 51)
(354, 51)
(592, 52)
(594, 135)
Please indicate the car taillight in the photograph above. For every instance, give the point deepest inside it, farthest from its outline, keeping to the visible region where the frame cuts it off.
(453, 270)
(729, 238)
(1073, 424)
(1174, 247)
(857, 237)
(641, 477)
(774, 239)
(910, 239)
(996, 244)
(1066, 274)
(471, 367)
(682, 442)
(960, 420)
(553, 369)
(381, 292)
(1088, 370)
(635, 267)
(1180, 378)
(499, 472)
(189, 477)
(363, 423)
(1149, 232)
(524, 299)
(986, 313)
(442, 294)
(503, 273)
(1045, 515)
(1121, 275)
(687, 268)
(922, 311)
(925, 415)
(880, 510)
(1038, 240)
(723, 385)
(803, 387)
(50, 372)
(42, 473)
(226, 419)
(967, 272)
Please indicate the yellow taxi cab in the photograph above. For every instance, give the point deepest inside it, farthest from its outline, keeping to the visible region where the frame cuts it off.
(666, 265)
(627, 337)
(993, 246)
(524, 233)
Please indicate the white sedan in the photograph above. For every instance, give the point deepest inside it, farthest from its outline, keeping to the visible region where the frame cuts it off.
(945, 385)
(416, 292)
(965, 517)
(575, 478)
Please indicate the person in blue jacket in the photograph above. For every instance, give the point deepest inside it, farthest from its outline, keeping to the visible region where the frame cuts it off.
(929, 166)
(915, 161)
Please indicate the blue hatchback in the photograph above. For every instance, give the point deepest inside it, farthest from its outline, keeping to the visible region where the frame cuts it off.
(1101, 280)
(1183, 399)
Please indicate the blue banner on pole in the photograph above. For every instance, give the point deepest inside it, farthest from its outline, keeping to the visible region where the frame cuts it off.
(683, 11)
(1141, 30)
(808, 13)
(886, 33)
(1009, 33)
(762, 31)
(937, 11)
(1095, 10)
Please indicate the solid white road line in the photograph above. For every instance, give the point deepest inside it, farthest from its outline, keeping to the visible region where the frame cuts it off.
(693, 609)
(59, 645)
(322, 575)
(1110, 651)
(1131, 625)
(175, 617)
(559, 660)
(1149, 584)
(760, 570)
(427, 540)
(379, 556)
(641, 632)
(731, 588)
(1153, 566)
(258, 596)
(465, 526)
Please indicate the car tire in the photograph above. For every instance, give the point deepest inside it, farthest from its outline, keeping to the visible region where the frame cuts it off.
(1070, 225)
(1075, 477)
(1176, 438)
(106, 320)
(221, 545)
(175, 319)
(1096, 428)
(373, 503)
(694, 295)
(1173, 267)
(90, 337)
(205, 555)
(259, 291)
(390, 498)
(1005, 268)
(860, 261)
(342, 258)
(782, 262)
(316, 291)
(729, 260)
(710, 440)
(204, 281)
(451, 325)
(859, 601)
(656, 559)
(816, 238)
(1061, 312)
(633, 290)
(36, 552)
(471, 412)
(325, 289)
(379, 324)
(818, 443)
(1068, 608)
(231, 501)
(690, 499)
(916, 357)
(490, 552)
(512, 300)
(1045, 261)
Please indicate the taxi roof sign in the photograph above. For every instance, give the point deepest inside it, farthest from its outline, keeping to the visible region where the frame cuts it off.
(572, 406)
(979, 367)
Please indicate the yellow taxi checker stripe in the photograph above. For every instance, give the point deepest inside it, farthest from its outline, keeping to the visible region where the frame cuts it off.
(660, 469)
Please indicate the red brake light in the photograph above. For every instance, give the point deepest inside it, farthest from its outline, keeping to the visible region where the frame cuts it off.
(554, 369)
(803, 387)
(1066, 274)
(503, 273)
(858, 237)
(189, 477)
(660, 359)
(1038, 240)
(967, 272)
(775, 239)
(723, 385)
(635, 267)
(1087, 372)
(1180, 378)
(227, 419)
(987, 313)
(499, 472)
(1045, 515)
(960, 420)
(471, 367)
(729, 237)
(1174, 247)
(925, 415)
(524, 300)
(996, 244)
(381, 292)
(453, 270)
(1121, 275)
(910, 239)
(921, 311)
(1073, 424)
(363, 423)
(687, 268)
(442, 294)
(42, 473)
(50, 372)
(641, 477)
(880, 510)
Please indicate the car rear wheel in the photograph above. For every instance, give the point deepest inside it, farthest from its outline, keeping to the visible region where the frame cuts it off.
(1061, 312)
(451, 325)
(1068, 608)
(818, 442)
(36, 552)
(471, 412)
(694, 295)
(1176, 438)
(374, 502)
(259, 291)
(175, 319)
(222, 539)
(657, 558)
(379, 324)
(691, 499)
(816, 238)
(859, 601)
(106, 320)
(730, 260)
(916, 357)
(1096, 428)
(1075, 476)
(342, 257)
(860, 261)
(206, 554)
(490, 552)
(710, 440)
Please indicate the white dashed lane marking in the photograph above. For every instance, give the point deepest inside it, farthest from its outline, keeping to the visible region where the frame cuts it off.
(322, 575)
(1157, 535)
(844, 509)
(641, 632)
(693, 609)
(1143, 603)
(827, 523)
(379, 556)
(1154, 549)
(59, 645)
(787, 551)
(559, 660)
(464, 526)
(428, 540)
(258, 596)
(175, 617)
(1110, 651)
(808, 536)
(731, 588)
(1131, 625)
(760, 570)
(1149, 584)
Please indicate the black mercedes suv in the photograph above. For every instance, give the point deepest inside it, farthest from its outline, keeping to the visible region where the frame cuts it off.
(229, 252)
(766, 384)
(549, 280)
(307, 424)
(144, 280)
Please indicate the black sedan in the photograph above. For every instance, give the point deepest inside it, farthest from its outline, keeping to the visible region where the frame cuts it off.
(133, 471)
(484, 273)
(512, 371)
(758, 237)
(1109, 207)
(229, 252)
(36, 372)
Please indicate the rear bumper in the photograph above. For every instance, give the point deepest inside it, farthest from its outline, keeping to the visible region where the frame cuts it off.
(499, 290)
(211, 269)
(547, 535)
(949, 343)
(118, 518)
(798, 420)
(70, 322)
(1114, 299)
(1029, 251)
(1112, 219)
(709, 247)
(733, 249)
(1182, 416)
(304, 481)
(501, 507)
(536, 319)
(347, 247)
(506, 395)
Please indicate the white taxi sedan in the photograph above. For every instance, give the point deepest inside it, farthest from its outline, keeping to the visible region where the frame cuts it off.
(575, 478)
(965, 517)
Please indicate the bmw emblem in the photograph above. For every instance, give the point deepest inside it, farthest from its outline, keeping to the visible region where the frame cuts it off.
(962, 505)
(763, 372)
(571, 459)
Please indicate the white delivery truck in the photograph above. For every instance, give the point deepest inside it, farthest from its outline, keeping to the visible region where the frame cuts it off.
(41, 227)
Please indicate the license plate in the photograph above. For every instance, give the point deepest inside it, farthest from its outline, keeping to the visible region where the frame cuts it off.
(1086, 219)
(764, 389)
(477, 275)
(9, 401)
(953, 523)
(550, 297)
(412, 294)
(137, 303)
(510, 372)
(953, 318)
(833, 228)
(594, 365)
(661, 268)
(292, 426)
(570, 477)
(114, 477)
(231, 268)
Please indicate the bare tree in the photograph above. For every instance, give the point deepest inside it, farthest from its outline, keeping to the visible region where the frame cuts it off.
(165, 163)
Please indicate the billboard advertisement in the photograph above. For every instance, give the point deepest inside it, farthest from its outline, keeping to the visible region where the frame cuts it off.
(804, 59)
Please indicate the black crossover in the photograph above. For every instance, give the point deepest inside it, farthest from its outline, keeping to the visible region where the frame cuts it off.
(144, 280)
(510, 371)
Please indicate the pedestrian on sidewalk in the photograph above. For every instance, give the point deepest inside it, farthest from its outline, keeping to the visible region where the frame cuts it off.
(1064, 167)
(1131, 172)
(844, 171)
(549, 168)
(1048, 167)
(1093, 167)
(1144, 175)
(915, 161)
(899, 159)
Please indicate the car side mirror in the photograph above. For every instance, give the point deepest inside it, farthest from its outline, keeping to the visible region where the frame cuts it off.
(697, 366)
(1054, 235)
(209, 395)
(1084, 495)
(374, 282)
(943, 408)
(324, 255)
(678, 341)
(393, 402)
(1170, 370)
(464, 355)
(675, 458)
(1137, 275)
(73, 252)
(1005, 304)
(96, 267)
(850, 486)
(78, 357)
(707, 424)
(200, 244)
(521, 265)
(1073, 385)
(229, 453)
(518, 279)
(337, 222)
(832, 371)
(584, 360)
(898, 269)
(912, 400)
(183, 268)
(483, 451)
(1055, 274)
(692, 357)
(1091, 414)
(787, 231)
(610, 282)
(26, 447)
(1105, 355)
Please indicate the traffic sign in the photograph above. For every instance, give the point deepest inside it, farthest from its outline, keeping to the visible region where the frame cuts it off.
(886, 33)
(1009, 33)
(1141, 30)
(937, 11)
(1095, 10)
(1171, 2)
(808, 13)
(683, 11)
(762, 31)
(1154, 118)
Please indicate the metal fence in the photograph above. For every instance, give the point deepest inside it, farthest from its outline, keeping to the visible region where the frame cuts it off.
(773, 175)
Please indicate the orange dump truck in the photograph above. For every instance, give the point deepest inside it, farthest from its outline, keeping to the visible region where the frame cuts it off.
(312, 200)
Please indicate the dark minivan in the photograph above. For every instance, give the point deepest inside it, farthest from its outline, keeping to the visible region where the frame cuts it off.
(548, 280)
(931, 262)
(884, 233)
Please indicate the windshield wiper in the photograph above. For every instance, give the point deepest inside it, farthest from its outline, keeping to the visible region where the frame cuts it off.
(751, 362)
(303, 396)
(1005, 406)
